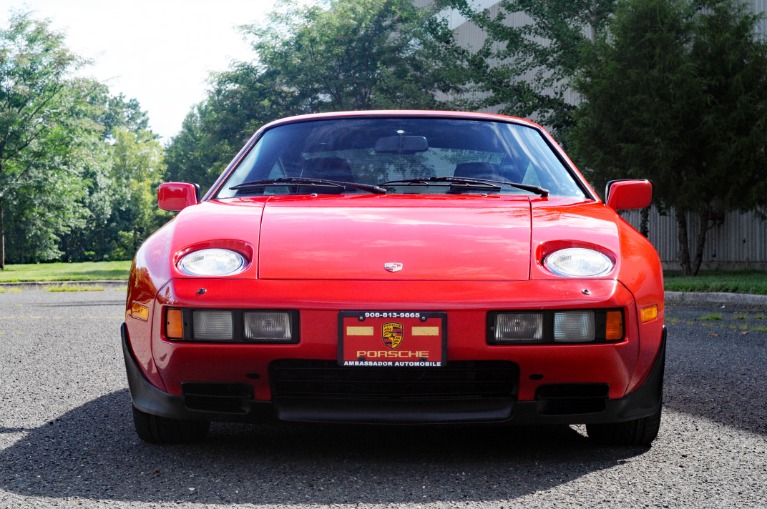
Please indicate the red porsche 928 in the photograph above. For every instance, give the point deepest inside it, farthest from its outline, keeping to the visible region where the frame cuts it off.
(397, 267)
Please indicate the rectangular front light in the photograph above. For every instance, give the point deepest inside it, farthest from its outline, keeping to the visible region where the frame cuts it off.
(174, 324)
(267, 326)
(574, 326)
(512, 327)
(649, 313)
(613, 325)
(212, 325)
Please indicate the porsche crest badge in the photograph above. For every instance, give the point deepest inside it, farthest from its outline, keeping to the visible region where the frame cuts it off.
(392, 333)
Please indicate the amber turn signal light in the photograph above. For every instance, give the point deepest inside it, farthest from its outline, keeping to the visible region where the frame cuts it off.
(174, 324)
(614, 326)
(139, 311)
(649, 313)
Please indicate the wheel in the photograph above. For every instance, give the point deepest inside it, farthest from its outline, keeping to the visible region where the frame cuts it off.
(639, 432)
(161, 430)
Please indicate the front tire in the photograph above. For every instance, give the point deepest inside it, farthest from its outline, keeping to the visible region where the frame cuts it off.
(639, 432)
(162, 430)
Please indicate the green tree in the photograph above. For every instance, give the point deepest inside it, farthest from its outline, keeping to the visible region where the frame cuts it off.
(78, 166)
(532, 51)
(117, 112)
(137, 171)
(350, 55)
(33, 65)
(200, 151)
(328, 56)
(121, 177)
(39, 146)
(677, 93)
(49, 202)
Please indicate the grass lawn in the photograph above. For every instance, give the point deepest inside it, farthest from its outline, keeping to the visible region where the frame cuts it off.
(753, 282)
(86, 271)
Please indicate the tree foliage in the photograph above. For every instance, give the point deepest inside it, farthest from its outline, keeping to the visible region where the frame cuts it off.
(677, 93)
(351, 55)
(37, 128)
(200, 151)
(532, 51)
(76, 164)
(329, 56)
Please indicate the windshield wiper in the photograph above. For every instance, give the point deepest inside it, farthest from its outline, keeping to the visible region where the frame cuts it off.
(310, 182)
(444, 181)
(465, 182)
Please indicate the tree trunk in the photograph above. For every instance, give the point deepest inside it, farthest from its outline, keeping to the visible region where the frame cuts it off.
(644, 225)
(2, 239)
(684, 246)
(701, 241)
(691, 264)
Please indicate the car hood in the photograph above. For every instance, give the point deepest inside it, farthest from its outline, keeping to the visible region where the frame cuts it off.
(396, 239)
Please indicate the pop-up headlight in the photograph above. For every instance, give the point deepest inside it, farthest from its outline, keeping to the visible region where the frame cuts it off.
(578, 262)
(212, 262)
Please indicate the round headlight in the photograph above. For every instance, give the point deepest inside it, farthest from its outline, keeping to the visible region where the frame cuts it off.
(578, 262)
(212, 262)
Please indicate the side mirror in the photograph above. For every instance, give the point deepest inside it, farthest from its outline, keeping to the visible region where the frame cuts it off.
(175, 196)
(628, 194)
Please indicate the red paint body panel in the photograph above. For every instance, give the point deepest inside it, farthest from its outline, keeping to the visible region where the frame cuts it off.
(630, 195)
(342, 239)
(467, 255)
(175, 196)
(465, 303)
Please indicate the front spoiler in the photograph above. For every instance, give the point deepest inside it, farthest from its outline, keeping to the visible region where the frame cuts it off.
(643, 402)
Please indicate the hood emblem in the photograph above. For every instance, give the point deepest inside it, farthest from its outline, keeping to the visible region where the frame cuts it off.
(393, 266)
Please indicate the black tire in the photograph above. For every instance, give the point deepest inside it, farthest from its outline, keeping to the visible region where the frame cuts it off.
(639, 432)
(161, 430)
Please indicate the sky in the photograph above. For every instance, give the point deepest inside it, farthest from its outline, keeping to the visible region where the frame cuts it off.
(159, 52)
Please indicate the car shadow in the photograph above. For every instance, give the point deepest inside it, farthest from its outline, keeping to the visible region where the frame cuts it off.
(92, 452)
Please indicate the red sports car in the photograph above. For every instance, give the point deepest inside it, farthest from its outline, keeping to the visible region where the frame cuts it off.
(397, 267)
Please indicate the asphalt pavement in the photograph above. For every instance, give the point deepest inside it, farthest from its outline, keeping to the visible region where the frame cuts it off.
(67, 440)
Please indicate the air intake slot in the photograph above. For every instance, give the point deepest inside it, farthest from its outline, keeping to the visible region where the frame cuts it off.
(455, 381)
(226, 398)
(571, 399)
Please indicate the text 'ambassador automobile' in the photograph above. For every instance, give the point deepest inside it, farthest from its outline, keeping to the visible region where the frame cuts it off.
(397, 267)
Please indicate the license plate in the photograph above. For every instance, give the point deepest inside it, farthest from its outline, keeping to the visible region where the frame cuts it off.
(392, 339)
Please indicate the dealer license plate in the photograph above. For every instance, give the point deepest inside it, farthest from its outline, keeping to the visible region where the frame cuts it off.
(392, 338)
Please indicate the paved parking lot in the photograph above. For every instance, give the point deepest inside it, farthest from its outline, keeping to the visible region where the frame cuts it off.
(66, 436)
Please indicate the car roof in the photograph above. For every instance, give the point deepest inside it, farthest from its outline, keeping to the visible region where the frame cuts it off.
(436, 114)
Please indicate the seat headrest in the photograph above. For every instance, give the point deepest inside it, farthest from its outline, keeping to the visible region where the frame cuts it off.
(331, 168)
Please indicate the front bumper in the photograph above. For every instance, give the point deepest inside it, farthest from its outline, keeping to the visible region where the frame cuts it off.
(553, 404)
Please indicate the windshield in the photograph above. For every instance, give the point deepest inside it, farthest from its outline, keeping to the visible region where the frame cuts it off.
(401, 156)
